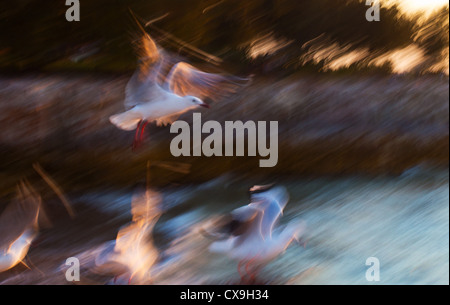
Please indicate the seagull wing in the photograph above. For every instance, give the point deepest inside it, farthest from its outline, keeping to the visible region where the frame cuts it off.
(151, 56)
(154, 64)
(184, 79)
(19, 216)
(245, 213)
(143, 86)
(272, 204)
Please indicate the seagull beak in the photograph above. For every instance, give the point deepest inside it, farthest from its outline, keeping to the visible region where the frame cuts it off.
(205, 105)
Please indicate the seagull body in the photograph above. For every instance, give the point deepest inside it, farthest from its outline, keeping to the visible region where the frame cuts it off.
(256, 248)
(251, 237)
(153, 95)
(158, 106)
(18, 227)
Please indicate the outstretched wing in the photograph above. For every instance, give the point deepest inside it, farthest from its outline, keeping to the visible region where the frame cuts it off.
(143, 85)
(20, 215)
(272, 203)
(184, 79)
(148, 52)
(154, 63)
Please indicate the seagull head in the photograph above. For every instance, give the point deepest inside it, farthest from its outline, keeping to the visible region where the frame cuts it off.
(196, 101)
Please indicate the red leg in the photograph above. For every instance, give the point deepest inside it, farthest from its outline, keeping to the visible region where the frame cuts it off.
(136, 136)
(247, 269)
(239, 271)
(141, 138)
(254, 275)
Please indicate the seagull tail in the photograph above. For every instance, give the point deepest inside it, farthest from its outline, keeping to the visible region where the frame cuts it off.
(127, 121)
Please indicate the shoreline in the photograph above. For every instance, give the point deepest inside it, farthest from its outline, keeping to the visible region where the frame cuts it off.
(327, 126)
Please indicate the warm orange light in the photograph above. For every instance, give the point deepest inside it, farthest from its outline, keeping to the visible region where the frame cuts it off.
(412, 7)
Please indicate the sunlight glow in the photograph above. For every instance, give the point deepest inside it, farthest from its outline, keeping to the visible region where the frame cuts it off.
(412, 7)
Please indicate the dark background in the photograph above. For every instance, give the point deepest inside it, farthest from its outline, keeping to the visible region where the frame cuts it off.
(35, 34)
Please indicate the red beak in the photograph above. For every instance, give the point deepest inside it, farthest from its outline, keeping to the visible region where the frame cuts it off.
(205, 105)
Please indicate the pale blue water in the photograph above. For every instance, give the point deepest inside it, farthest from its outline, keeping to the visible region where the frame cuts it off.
(403, 221)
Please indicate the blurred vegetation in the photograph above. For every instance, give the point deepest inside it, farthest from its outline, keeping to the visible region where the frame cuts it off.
(36, 34)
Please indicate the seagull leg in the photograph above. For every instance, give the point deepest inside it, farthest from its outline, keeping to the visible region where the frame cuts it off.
(136, 137)
(252, 273)
(141, 137)
(249, 271)
(239, 271)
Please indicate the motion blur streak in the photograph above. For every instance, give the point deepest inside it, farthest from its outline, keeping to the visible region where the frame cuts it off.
(362, 110)
(430, 23)
(134, 242)
(403, 60)
(266, 45)
(415, 7)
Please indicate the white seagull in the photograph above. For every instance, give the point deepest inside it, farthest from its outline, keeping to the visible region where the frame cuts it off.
(18, 226)
(163, 88)
(249, 234)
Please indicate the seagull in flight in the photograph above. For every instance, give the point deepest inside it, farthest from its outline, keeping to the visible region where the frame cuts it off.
(249, 235)
(132, 255)
(19, 226)
(164, 87)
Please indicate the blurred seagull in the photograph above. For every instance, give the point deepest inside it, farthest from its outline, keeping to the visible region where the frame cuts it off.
(249, 233)
(132, 255)
(163, 88)
(19, 227)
